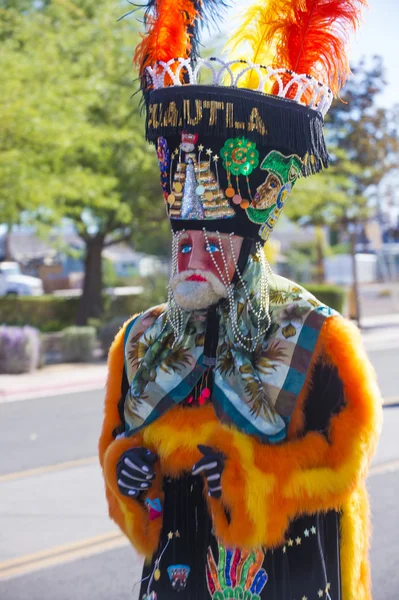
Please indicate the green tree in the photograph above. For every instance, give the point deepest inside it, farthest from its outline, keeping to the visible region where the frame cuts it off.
(72, 143)
(364, 147)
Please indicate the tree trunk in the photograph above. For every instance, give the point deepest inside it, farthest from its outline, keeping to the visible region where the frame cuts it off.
(91, 301)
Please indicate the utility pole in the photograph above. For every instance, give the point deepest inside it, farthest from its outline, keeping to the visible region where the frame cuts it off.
(355, 283)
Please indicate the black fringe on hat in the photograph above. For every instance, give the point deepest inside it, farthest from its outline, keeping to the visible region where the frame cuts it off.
(264, 119)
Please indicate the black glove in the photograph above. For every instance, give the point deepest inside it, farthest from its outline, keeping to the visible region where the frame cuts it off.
(211, 466)
(135, 471)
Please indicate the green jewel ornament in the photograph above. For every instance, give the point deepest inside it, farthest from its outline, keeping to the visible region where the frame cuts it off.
(240, 156)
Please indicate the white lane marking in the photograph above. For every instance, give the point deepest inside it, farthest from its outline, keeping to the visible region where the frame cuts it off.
(70, 464)
(58, 555)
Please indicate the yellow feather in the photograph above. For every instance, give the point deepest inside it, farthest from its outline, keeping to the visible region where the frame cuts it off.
(248, 42)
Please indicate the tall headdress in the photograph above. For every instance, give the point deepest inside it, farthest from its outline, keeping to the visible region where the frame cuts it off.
(234, 135)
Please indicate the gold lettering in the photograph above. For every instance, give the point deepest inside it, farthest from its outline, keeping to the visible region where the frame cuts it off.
(214, 106)
(153, 116)
(187, 112)
(171, 116)
(239, 125)
(229, 115)
(255, 122)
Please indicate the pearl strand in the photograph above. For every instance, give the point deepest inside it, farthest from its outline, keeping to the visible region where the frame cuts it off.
(174, 312)
(263, 310)
(240, 339)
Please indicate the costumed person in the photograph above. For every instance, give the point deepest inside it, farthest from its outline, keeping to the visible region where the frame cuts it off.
(240, 417)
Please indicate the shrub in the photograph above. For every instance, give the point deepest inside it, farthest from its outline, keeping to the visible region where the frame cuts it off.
(19, 349)
(46, 313)
(78, 344)
(331, 295)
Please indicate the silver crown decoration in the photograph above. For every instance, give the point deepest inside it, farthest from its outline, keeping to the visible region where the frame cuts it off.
(183, 71)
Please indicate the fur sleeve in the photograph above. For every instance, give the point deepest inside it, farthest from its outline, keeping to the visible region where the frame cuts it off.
(313, 472)
(129, 514)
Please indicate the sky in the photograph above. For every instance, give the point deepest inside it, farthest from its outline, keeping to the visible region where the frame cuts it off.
(378, 34)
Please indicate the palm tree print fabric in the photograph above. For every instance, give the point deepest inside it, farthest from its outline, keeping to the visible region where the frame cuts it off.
(255, 391)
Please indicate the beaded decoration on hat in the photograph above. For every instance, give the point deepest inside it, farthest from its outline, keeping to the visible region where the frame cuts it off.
(231, 150)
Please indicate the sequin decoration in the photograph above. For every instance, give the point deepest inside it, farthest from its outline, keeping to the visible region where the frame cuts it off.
(154, 507)
(240, 156)
(268, 201)
(196, 191)
(238, 574)
(178, 575)
(191, 204)
(151, 596)
(164, 162)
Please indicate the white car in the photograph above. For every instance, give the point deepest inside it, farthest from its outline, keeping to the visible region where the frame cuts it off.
(13, 282)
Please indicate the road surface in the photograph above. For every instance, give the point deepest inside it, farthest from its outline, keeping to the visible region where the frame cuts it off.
(56, 541)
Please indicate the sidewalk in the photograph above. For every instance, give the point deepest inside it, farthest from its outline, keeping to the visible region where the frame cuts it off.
(52, 380)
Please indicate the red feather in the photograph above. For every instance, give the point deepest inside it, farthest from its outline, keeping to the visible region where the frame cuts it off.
(312, 37)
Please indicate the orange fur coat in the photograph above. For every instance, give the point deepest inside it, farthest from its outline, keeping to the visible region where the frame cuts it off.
(264, 486)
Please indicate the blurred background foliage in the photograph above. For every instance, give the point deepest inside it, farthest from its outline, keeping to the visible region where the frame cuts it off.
(72, 144)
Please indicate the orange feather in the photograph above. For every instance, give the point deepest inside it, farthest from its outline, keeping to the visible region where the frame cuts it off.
(168, 23)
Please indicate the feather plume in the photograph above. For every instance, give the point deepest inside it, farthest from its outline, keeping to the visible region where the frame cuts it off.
(167, 37)
(173, 30)
(249, 42)
(304, 36)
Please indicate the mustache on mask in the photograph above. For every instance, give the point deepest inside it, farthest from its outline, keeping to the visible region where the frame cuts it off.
(214, 282)
(192, 294)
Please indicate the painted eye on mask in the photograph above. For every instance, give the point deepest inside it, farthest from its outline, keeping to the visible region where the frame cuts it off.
(212, 248)
(185, 248)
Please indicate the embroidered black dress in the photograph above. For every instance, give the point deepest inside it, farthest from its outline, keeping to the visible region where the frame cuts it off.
(190, 563)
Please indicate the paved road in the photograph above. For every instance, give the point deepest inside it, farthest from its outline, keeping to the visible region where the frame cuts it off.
(63, 509)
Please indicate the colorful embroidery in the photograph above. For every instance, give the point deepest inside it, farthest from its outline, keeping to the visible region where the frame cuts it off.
(164, 162)
(240, 156)
(154, 508)
(270, 196)
(178, 575)
(237, 575)
(196, 193)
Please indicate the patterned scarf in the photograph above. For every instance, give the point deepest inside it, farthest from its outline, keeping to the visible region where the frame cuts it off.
(254, 391)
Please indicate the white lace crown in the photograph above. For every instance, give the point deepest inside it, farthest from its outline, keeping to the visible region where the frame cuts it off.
(228, 74)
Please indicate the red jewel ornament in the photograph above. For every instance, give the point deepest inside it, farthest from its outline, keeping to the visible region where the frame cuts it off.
(205, 394)
(190, 400)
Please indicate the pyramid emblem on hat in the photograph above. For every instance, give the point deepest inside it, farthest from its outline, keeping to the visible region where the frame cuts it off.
(191, 207)
(199, 196)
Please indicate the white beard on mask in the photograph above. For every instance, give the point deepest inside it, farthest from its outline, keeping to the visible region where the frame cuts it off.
(197, 295)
